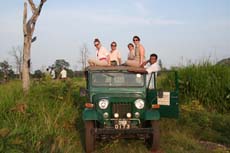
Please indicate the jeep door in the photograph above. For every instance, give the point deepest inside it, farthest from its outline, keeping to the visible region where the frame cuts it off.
(162, 89)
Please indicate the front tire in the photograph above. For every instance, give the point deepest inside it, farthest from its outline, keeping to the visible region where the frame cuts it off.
(89, 136)
(154, 139)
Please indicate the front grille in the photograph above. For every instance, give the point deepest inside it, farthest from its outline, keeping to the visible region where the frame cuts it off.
(122, 109)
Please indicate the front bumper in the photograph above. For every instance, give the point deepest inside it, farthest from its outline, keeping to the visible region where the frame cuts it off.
(112, 131)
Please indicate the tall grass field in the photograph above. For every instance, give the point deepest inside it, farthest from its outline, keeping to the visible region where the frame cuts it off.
(207, 83)
(48, 119)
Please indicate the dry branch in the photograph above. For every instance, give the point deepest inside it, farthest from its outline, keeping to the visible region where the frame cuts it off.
(24, 19)
(32, 6)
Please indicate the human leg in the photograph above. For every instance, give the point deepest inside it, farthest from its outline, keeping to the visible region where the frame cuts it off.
(133, 63)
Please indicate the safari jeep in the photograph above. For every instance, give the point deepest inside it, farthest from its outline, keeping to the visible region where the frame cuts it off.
(126, 102)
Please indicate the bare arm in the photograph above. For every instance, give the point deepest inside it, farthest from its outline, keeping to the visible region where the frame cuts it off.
(144, 63)
(108, 60)
(142, 54)
(119, 59)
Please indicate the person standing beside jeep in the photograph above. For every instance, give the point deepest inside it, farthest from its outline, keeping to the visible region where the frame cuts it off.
(139, 54)
(114, 55)
(102, 55)
(153, 67)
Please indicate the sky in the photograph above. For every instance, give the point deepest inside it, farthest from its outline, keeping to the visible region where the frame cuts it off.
(179, 31)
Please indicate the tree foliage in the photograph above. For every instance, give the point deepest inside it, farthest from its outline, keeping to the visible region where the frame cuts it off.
(38, 74)
(4, 66)
(59, 63)
(6, 70)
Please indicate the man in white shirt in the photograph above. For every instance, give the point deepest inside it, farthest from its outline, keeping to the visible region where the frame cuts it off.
(63, 73)
(102, 55)
(153, 67)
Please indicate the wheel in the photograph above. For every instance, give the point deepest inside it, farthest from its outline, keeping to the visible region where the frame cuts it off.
(154, 140)
(89, 136)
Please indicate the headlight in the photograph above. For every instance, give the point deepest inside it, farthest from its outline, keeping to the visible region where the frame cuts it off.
(116, 115)
(128, 115)
(139, 103)
(103, 103)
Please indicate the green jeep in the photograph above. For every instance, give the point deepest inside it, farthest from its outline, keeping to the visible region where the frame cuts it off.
(126, 102)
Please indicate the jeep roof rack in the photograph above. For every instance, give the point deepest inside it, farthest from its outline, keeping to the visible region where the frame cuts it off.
(115, 68)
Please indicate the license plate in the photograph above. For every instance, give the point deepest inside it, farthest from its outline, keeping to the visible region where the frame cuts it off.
(122, 122)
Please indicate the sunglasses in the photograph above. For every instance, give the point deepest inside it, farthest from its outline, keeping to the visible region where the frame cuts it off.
(96, 44)
(113, 45)
(135, 40)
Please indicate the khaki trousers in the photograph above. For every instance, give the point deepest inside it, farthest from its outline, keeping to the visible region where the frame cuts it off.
(133, 63)
(96, 62)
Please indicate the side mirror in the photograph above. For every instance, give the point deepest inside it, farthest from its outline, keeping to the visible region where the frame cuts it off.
(82, 92)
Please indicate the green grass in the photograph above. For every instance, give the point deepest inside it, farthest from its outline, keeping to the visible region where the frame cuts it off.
(207, 83)
(48, 119)
(43, 121)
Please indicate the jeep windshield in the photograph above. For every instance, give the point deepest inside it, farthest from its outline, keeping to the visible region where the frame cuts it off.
(117, 79)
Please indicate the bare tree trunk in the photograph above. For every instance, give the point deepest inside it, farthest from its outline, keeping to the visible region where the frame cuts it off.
(26, 64)
(28, 30)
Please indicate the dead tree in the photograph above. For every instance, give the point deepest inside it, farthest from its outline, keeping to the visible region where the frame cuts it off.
(84, 52)
(28, 30)
(17, 55)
